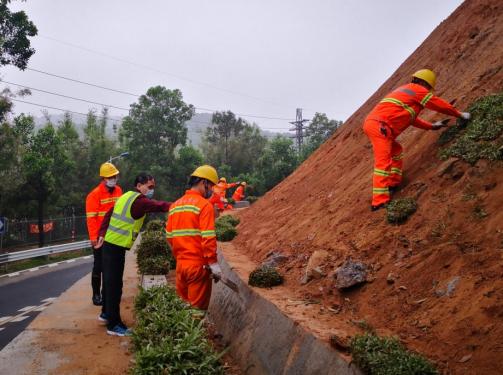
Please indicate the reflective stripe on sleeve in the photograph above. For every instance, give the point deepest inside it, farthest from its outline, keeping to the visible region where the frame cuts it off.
(401, 104)
(426, 99)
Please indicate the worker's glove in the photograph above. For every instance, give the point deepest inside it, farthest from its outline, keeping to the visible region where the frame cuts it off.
(439, 124)
(215, 270)
(465, 116)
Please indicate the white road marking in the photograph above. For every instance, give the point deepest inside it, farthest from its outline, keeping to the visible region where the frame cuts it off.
(4, 319)
(13, 274)
(20, 318)
(70, 261)
(40, 308)
(52, 264)
(26, 308)
(34, 269)
(2, 328)
(49, 300)
(88, 257)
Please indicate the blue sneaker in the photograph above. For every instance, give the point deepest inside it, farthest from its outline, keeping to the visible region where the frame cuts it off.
(103, 318)
(119, 331)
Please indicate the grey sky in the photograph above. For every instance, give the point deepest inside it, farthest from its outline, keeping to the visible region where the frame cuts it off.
(262, 57)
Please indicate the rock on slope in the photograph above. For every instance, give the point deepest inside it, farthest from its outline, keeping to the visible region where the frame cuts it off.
(446, 300)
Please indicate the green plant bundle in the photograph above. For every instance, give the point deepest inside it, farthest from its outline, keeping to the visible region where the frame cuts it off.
(154, 255)
(155, 226)
(232, 220)
(399, 210)
(481, 137)
(265, 277)
(387, 356)
(170, 337)
(252, 199)
(225, 228)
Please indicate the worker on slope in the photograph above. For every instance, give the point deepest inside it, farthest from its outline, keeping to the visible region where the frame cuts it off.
(219, 193)
(190, 230)
(239, 194)
(392, 116)
(119, 229)
(98, 202)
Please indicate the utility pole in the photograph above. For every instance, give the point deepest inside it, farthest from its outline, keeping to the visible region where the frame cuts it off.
(299, 130)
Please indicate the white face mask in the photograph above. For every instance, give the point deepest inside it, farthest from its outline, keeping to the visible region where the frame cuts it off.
(111, 183)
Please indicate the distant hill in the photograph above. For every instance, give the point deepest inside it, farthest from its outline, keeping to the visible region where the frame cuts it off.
(196, 126)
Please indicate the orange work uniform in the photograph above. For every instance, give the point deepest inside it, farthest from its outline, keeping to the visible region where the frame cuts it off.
(98, 202)
(239, 194)
(395, 113)
(219, 191)
(190, 230)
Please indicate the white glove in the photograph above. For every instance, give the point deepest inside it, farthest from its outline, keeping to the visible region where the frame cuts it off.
(438, 125)
(466, 115)
(215, 269)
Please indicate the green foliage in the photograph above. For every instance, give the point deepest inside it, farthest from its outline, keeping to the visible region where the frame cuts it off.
(265, 277)
(155, 226)
(154, 255)
(170, 337)
(252, 199)
(481, 137)
(230, 219)
(225, 228)
(387, 356)
(318, 131)
(399, 210)
(15, 28)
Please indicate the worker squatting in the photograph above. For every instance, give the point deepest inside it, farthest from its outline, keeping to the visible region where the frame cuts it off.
(115, 219)
(390, 117)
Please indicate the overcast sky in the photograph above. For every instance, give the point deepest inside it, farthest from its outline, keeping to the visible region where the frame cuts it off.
(261, 57)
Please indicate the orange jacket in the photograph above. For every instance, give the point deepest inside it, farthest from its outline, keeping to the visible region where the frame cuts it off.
(222, 187)
(239, 194)
(98, 202)
(401, 108)
(190, 229)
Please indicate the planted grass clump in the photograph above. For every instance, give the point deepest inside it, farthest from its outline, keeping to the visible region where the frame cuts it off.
(399, 210)
(154, 255)
(481, 137)
(154, 226)
(225, 228)
(265, 277)
(387, 356)
(170, 337)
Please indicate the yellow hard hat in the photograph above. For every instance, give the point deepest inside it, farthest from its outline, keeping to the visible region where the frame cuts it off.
(207, 172)
(426, 75)
(223, 179)
(108, 170)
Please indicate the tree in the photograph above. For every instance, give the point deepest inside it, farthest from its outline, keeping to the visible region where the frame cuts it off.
(187, 160)
(318, 131)
(46, 165)
(277, 162)
(15, 28)
(153, 130)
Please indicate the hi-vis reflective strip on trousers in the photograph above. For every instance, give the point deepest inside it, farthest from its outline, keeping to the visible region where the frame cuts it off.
(396, 171)
(384, 191)
(401, 104)
(381, 172)
(397, 157)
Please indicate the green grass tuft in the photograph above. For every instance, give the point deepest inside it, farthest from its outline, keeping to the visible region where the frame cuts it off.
(399, 210)
(155, 226)
(479, 138)
(265, 277)
(154, 255)
(225, 228)
(387, 356)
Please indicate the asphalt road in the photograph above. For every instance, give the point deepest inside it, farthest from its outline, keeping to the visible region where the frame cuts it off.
(22, 297)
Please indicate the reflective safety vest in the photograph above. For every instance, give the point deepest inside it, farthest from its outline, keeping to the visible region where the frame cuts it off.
(123, 229)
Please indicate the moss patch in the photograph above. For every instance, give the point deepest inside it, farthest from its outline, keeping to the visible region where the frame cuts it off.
(479, 138)
(265, 277)
(387, 356)
(399, 210)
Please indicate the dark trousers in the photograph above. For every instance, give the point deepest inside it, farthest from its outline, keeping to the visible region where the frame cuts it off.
(113, 269)
(97, 270)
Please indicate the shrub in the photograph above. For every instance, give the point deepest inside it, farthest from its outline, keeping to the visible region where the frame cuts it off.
(155, 226)
(170, 337)
(154, 255)
(252, 199)
(225, 228)
(399, 210)
(483, 136)
(387, 356)
(265, 277)
(232, 220)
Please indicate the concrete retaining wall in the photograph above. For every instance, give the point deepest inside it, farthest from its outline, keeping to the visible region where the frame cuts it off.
(263, 340)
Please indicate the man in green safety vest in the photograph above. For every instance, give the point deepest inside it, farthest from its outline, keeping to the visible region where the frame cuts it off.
(119, 229)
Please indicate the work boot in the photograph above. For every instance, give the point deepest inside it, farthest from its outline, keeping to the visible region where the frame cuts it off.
(97, 301)
(394, 189)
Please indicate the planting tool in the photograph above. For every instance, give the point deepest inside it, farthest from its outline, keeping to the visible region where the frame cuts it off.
(228, 283)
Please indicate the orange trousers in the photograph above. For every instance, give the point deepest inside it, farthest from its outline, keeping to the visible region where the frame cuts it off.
(388, 160)
(193, 283)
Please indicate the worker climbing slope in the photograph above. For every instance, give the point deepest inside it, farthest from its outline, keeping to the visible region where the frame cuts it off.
(389, 118)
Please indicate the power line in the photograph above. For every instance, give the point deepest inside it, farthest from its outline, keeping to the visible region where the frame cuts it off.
(66, 96)
(63, 110)
(162, 72)
(138, 95)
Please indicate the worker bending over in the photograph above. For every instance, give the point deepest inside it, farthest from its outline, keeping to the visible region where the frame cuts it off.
(219, 193)
(395, 113)
(190, 230)
(118, 231)
(239, 194)
(98, 202)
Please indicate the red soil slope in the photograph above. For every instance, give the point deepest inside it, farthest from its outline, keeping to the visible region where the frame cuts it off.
(325, 203)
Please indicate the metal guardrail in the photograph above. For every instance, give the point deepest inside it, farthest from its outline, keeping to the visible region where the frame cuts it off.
(41, 251)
